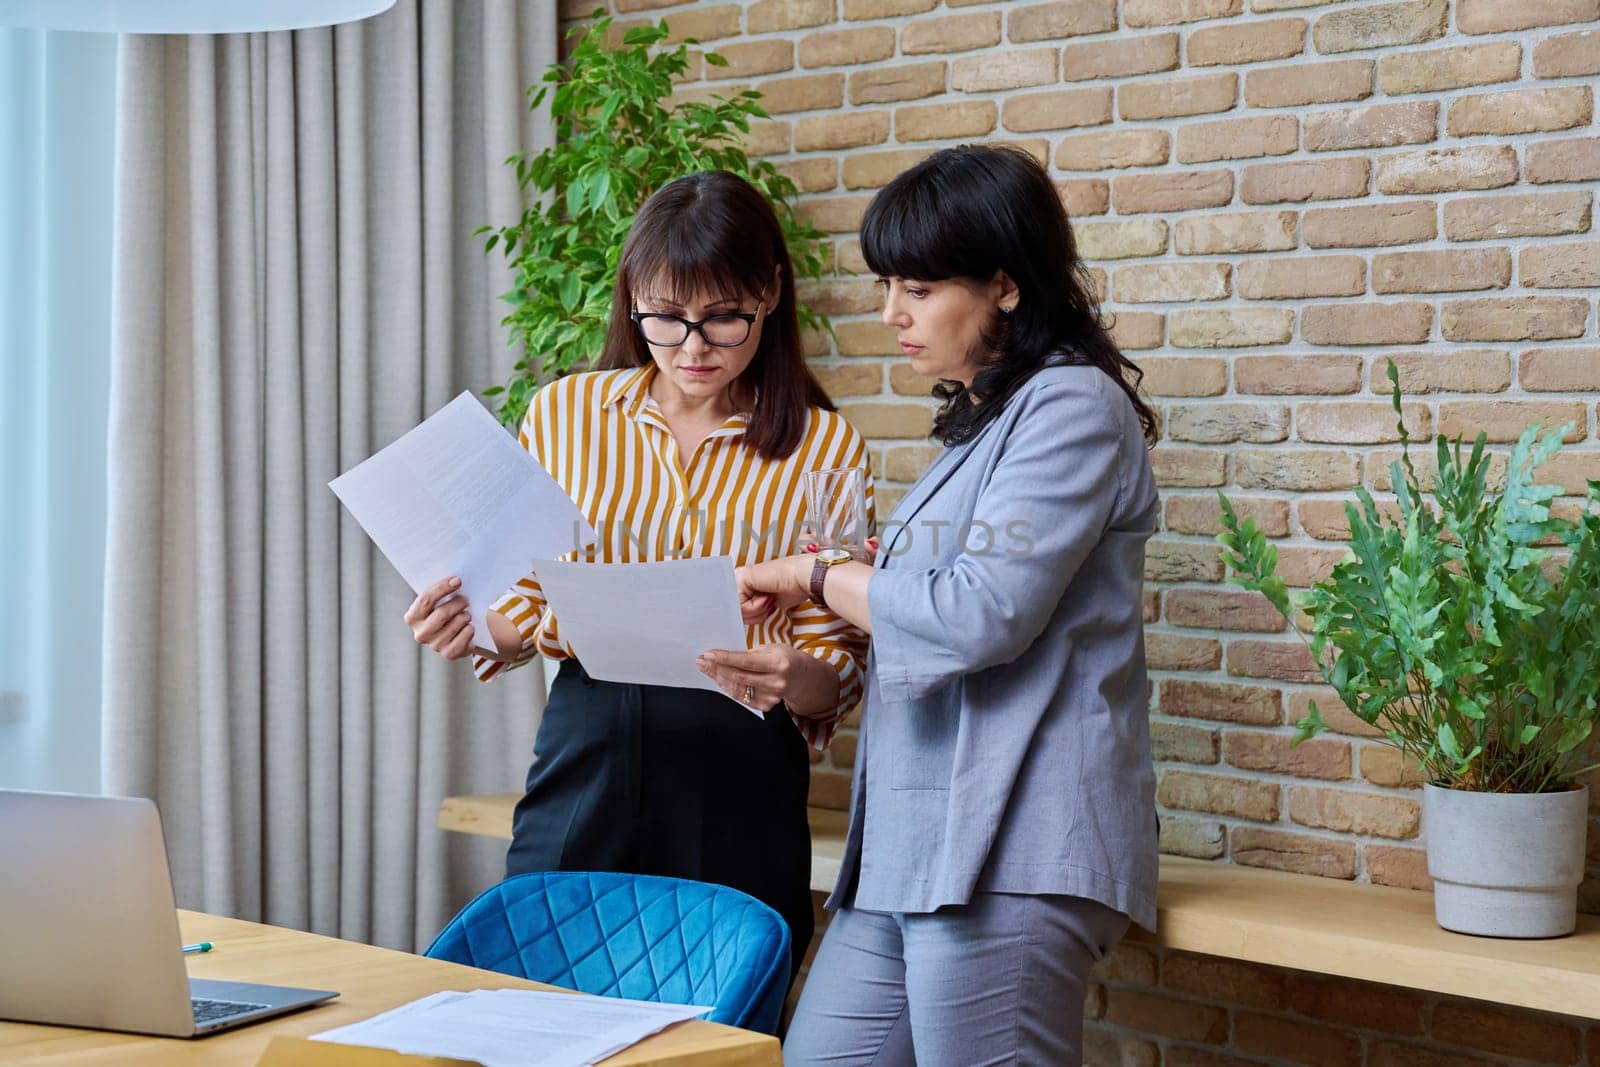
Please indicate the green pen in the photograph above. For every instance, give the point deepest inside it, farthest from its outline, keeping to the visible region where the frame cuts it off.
(204, 946)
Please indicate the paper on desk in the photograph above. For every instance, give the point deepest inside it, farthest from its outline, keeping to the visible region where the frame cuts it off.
(458, 496)
(646, 622)
(514, 1027)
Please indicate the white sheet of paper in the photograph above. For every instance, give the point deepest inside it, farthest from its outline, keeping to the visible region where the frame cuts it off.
(458, 496)
(514, 1027)
(646, 622)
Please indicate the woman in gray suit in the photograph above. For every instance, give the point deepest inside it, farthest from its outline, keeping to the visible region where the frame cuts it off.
(1002, 825)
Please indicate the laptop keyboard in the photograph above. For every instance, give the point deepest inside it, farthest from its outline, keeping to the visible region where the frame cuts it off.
(210, 1011)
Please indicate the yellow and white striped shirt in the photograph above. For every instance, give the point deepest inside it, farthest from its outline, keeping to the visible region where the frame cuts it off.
(604, 440)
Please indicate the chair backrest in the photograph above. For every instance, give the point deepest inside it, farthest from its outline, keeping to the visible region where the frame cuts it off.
(628, 935)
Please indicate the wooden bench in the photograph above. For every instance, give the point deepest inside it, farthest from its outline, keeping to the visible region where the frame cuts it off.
(490, 815)
(1323, 925)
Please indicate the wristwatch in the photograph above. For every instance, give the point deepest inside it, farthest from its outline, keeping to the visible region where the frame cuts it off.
(828, 557)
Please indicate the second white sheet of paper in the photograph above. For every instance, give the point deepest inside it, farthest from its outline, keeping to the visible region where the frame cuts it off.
(645, 623)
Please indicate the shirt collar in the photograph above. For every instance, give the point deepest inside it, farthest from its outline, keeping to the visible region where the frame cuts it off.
(631, 391)
(630, 388)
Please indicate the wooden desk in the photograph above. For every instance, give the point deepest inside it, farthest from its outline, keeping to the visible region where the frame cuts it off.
(370, 980)
(1323, 925)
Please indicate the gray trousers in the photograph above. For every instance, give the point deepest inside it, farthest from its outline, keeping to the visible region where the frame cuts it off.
(1000, 980)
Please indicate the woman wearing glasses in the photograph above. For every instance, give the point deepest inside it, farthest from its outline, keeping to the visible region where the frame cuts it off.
(692, 440)
(1002, 825)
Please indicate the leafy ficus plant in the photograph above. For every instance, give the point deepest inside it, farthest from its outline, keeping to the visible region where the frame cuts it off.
(1463, 623)
(616, 142)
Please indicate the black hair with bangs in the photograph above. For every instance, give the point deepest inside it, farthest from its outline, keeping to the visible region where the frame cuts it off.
(966, 213)
(716, 233)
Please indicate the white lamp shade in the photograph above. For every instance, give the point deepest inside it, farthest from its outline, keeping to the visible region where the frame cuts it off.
(184, 16)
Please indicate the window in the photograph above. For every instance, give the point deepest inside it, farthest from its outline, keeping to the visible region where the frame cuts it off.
(57, 99)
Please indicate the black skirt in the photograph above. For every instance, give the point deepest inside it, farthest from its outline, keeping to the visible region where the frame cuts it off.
(658, 780)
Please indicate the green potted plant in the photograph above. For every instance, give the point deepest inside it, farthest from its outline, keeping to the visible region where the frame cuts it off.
(617, 141)
(1464, 623)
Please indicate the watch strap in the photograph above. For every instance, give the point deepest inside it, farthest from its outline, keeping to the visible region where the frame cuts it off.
(819, 571)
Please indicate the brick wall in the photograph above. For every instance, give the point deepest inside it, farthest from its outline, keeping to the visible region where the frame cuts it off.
(1176, 1009)
(1276, 196)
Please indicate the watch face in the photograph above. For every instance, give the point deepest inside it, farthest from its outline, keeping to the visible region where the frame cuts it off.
(833, 555)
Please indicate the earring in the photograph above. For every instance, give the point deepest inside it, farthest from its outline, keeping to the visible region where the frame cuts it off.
(1005, 312)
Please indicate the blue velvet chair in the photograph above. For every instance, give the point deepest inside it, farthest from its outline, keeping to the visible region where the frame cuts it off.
(627, 935)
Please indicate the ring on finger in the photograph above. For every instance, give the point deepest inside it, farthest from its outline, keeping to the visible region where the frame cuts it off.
(749, 694)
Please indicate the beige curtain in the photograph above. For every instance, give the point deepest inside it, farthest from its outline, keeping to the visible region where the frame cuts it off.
(297, 284)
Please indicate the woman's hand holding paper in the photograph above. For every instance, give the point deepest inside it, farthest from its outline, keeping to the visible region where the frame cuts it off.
(439, 619)
(771, 674)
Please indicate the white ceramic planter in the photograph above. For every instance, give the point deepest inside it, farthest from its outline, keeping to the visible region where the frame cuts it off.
(1505, 864)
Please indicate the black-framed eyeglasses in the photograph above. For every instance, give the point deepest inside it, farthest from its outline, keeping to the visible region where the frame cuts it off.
(726, 330)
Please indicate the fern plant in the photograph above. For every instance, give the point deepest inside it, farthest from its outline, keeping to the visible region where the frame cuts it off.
(617, 141)
(1464, 625)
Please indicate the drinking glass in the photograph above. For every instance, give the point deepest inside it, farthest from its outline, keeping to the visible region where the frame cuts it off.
(836, 509)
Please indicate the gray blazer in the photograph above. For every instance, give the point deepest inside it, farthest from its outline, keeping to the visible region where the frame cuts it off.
(1005, 744)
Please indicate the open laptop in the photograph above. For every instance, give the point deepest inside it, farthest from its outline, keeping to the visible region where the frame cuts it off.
(88, 929)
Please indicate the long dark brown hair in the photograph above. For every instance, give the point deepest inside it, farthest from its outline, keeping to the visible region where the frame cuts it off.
(966, 213)
(715, 233)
